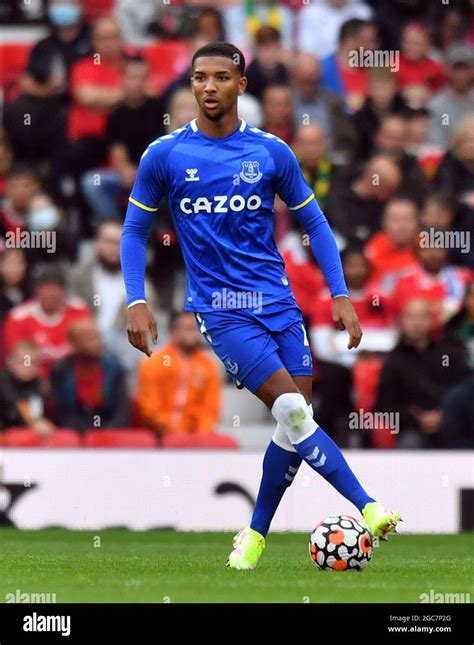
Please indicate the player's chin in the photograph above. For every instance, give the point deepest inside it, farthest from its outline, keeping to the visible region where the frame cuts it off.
(213, 115)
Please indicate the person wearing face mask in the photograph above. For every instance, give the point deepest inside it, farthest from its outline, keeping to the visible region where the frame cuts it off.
(44, 88)
(51, 59)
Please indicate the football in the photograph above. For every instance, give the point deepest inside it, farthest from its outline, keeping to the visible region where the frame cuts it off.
(340, 543)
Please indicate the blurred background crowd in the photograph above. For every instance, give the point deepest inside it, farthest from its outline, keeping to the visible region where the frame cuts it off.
(88, 84)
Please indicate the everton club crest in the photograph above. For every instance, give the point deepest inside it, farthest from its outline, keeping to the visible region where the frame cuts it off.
(250, 172)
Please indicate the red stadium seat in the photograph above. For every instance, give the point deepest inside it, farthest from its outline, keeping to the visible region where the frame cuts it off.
(204, 441)
(13, 59)
(27, 438)
(167, 61)
(120, 438)
(96, 8)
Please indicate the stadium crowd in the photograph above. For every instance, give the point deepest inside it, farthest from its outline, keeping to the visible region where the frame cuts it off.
(387, 148)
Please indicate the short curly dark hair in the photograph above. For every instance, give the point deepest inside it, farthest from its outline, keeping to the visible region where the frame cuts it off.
(226, 50)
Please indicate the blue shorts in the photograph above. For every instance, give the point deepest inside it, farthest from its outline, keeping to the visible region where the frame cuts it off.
(253, 346)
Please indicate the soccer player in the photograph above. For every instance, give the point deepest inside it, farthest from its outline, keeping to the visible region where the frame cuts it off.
(220, 176)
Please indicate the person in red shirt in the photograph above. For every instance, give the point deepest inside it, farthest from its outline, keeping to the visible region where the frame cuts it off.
(434, 279)
(96, 88)
(334, 362)
(44, 320)
(419, 76)
(392, 250)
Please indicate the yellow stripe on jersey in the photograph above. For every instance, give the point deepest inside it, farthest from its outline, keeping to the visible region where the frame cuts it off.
(147, 208)
(306, 201)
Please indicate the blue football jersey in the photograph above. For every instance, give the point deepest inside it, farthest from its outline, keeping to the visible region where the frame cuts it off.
(221, 194)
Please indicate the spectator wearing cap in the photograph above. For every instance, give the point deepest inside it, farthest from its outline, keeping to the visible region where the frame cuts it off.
(266, 67)
(419, 75)
(131, 127)
(45, 318)
(453, 103)
(89, 386)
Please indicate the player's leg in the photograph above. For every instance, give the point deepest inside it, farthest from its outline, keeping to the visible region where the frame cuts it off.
(319, 451)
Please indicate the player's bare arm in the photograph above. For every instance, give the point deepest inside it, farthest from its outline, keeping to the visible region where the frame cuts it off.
(345, 317)
(140, 321)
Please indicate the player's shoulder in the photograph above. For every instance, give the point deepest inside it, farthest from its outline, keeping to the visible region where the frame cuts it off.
(267, 138)
(162, 146)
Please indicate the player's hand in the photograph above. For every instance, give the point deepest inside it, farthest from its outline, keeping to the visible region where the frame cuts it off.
(140, 321)
(345, 317)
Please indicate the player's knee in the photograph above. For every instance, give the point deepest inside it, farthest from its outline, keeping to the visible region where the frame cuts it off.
(292, 413)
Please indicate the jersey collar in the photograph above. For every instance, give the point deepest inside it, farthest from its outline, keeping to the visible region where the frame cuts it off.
(195, 128)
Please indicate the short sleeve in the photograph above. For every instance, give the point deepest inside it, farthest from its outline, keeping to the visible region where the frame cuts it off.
(290, 183)
(149, 186)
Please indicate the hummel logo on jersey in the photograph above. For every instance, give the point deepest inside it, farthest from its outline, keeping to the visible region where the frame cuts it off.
(191, 172)
(250, 172)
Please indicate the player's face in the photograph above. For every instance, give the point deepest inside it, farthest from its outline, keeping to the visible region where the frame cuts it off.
(216, 83)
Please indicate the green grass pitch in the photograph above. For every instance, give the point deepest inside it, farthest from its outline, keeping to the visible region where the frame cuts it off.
(168, 566)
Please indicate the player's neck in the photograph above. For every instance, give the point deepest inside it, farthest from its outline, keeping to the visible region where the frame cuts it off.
(218, 129)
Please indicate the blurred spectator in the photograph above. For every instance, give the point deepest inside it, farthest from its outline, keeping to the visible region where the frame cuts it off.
(354, 208)
(305, 277)
(456, 173)
(419, 75)
(392, 250)
(310, 147)
(416, 375)
(22, 184)
(45, 85)
(88, 387)
(391, 17)
(314, 105)
(428, 155)
(383, 99)
(453, 103)
(49, 65)
(338, 72)
(278, 112)
(433, 279)
(242, 20)
(450, 24)
(136, 20)
(266, 68)
(334, 360)
(45, 318)
(179, 388)
(21, 12)
(96, 87)
(182, 109)
(461, 326)
(131, 127)
(391, 138)
(326, 19)
(440, 212)
(99, 283)
(14, 279)
(22, 400)
(457, 421)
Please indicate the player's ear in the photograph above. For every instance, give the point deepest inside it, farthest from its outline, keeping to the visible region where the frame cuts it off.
(242, 85)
